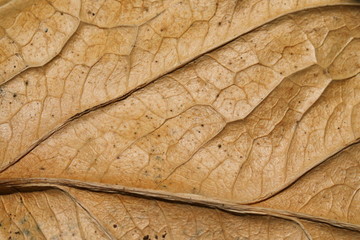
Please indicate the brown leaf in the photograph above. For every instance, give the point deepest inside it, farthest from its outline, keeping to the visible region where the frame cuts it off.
(112, 136)
(52, 214)
(334, 185)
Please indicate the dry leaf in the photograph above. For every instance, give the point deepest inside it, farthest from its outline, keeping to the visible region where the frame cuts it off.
(179, 119)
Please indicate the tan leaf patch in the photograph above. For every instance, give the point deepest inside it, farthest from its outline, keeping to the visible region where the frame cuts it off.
(179, 119)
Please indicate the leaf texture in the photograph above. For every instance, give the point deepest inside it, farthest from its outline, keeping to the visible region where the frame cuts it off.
(100, 65)
(179, 119)
(130, 218)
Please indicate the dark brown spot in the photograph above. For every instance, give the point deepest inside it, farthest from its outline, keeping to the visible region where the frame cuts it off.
(115, 226)
(14, 95)
(42, 168)
(219, 146)
(146, 237)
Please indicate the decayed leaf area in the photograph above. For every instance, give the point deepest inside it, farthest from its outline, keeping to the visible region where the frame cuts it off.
(179, 119)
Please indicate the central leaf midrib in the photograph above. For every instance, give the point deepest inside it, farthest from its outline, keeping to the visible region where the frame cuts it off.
(189, 199)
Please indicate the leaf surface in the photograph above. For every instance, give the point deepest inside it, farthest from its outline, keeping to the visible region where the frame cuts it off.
(180, 119)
